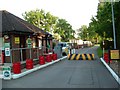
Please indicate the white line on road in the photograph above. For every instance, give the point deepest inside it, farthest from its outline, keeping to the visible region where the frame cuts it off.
(15, 76)
(111, 71)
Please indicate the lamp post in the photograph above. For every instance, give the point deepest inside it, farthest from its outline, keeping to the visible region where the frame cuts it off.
(113, 22)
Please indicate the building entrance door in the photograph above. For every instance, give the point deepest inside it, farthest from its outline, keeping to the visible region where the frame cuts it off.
(23, 46)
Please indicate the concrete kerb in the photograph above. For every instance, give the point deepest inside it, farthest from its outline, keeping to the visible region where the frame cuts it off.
(15, 76)
(111, 71)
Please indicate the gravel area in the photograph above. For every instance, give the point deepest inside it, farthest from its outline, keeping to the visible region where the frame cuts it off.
(115, 65)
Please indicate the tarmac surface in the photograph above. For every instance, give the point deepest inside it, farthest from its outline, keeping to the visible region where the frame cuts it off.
(68, 74)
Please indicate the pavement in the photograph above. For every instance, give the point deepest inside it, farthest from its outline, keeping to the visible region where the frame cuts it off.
(68, 74)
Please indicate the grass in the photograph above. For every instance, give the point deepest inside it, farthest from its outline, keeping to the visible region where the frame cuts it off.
(100, 52)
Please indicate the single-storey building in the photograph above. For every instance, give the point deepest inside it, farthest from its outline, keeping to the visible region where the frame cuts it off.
(20, 40)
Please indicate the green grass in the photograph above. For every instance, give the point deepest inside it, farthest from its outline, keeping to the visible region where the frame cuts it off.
(100, 52)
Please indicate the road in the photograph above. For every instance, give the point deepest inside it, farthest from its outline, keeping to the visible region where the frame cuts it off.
(68, 74)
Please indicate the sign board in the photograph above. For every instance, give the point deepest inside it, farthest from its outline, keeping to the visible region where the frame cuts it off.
(17, 40)
(7, 45)
(114, 54)
(7, 51)
(6, 72)
(29, 42)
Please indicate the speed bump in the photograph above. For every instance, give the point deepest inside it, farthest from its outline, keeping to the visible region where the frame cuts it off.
(80, 56)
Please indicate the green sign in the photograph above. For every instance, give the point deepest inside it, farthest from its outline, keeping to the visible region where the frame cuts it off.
(7, 45)
(6, 68)
(6, 72)
(28, 41)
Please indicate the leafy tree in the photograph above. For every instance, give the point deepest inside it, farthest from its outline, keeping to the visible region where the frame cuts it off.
(64, 29)
(83, 32)
(41, 19)
(49, 23)
(102, 22)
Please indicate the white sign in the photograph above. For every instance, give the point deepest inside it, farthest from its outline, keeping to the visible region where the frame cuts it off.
(7, 51)
(6, 73)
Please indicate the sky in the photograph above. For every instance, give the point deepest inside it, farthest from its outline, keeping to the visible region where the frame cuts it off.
(76, 12)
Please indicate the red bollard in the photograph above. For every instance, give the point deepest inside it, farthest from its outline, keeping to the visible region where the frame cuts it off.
(3, 58)
(41, 60)
(29, 64)
(106, 58)
(16, 68)
(48, 58)
(54, 56)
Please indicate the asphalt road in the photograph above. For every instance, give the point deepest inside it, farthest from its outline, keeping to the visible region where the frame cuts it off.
(68, 74)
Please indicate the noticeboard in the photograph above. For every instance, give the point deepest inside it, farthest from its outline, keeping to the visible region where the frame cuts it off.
(7, 45)
(7, 51)
(114, 54)
(17, 40)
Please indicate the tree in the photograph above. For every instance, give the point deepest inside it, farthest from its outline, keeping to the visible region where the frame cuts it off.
(104, 20)
(49, 23)
(41, 19)
(93, 35)
(102, 24)
(64, 29)
(83, 32)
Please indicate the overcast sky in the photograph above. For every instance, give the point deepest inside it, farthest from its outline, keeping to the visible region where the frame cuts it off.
(76, 12)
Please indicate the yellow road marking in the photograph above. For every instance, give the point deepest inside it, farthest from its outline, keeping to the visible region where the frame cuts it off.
(73, 56)
(78, 56)
(93, 56)
(68, 56)
(88, 55)
(83, 56)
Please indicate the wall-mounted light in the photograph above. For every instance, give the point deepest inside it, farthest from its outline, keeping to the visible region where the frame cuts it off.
(6, 36)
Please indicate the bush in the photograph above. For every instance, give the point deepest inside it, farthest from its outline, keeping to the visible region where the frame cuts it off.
(108, 45)
(54, 44)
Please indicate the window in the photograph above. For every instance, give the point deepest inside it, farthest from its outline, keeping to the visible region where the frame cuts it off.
(40, 43)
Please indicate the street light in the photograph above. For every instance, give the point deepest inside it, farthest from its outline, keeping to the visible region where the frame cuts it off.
(113, 24)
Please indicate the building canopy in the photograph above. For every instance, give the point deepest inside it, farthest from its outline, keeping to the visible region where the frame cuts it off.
(14, 24)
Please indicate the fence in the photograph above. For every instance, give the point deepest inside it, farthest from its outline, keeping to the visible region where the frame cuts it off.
(21, 54)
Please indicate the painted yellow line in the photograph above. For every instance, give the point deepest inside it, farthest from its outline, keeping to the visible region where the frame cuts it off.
(68, 56)
(73, 56)
(88, 55)
(83, 56)
(78, 56)
(93, 56)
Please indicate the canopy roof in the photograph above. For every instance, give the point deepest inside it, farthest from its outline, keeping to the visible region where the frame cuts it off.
(13, 24)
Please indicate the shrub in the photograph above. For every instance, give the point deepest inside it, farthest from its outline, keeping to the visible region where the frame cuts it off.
(108, 45)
